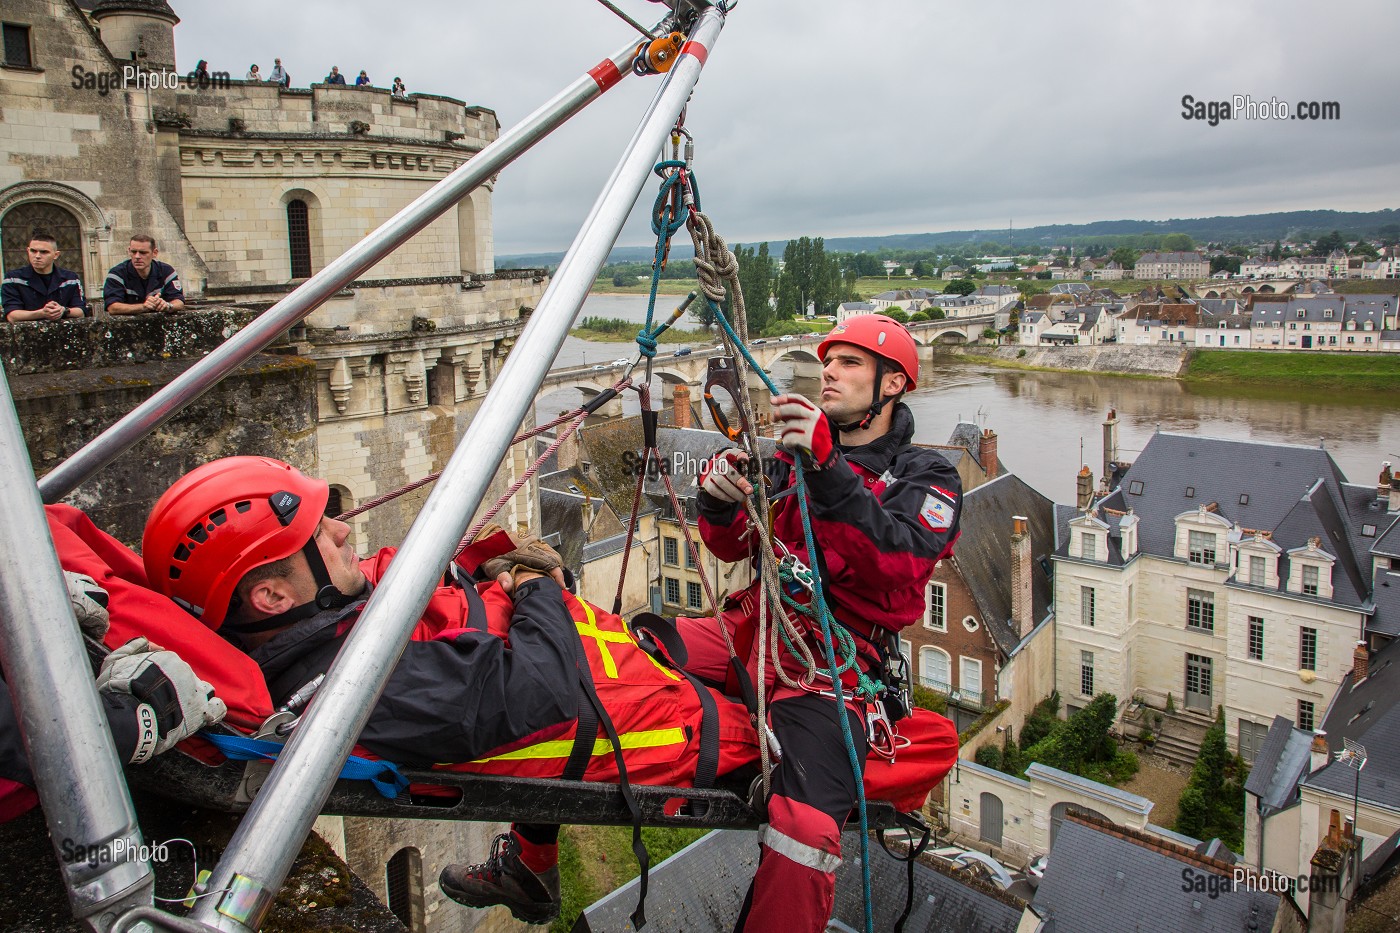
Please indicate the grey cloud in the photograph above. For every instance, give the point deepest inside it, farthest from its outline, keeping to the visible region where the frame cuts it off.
(837, 118)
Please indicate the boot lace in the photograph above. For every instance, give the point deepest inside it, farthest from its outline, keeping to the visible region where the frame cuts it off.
(494, 866)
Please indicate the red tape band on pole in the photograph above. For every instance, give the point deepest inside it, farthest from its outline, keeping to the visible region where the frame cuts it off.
(696, 49)
(605, 74)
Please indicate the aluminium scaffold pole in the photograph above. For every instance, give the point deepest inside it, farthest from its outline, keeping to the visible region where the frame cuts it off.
(257, 858)
(311, 294)
(91, 821)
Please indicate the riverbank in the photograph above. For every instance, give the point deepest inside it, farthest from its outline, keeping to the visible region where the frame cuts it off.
(1271, 369)
(1355, 372)
(1111, 360)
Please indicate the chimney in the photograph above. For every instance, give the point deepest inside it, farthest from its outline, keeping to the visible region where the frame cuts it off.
(1022, 603)
(1383, 485)
(1394, 505)
(1360, 663)
(587, 512)
(1110, 444)
(987, 453)
(1319, 754)
(1085, 487)
(680, 406)
(568, 452)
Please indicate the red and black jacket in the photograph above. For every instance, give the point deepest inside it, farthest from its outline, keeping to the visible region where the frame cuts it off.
(883, 514)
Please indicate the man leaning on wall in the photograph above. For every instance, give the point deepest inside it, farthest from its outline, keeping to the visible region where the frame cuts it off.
(143, 284)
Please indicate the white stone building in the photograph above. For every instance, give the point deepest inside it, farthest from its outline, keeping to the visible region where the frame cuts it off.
(1182, 265)
(1215, 581)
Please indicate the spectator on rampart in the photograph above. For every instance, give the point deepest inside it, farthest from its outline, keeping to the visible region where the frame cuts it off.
(335, 77)
(362, 80)
(42, 291)
(278, 75)
(142, 284)
(399, 89)
(253, 74)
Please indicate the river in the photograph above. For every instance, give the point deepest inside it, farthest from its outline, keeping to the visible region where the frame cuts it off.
(1041, 419)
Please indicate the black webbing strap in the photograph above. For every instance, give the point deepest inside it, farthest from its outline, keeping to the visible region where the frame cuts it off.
(585, 730)
(639, 849)
(911, 823)
(654, 633)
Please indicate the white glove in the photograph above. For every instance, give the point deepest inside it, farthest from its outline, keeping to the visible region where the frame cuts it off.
(722, 476)
(174, 702)
(89, 603)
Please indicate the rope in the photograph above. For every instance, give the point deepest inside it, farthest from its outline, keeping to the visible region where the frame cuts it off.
(714, 261)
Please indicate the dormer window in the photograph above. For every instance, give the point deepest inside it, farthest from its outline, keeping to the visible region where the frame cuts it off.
(1327, 313)
(1089, 546)
(1310, 575)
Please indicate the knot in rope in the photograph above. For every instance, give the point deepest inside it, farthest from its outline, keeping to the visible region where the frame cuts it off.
(646, 343)
(670, 211)
(714, 260)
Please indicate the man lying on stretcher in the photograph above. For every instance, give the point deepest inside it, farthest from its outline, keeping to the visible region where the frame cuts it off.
(491, 678)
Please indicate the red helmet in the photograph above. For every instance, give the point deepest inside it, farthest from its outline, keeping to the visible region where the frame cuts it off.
(220, 521)
(883, 336)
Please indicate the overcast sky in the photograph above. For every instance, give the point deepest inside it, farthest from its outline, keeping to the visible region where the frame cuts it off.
(866, 117)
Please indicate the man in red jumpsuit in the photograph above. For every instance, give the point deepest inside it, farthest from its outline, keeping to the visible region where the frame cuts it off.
(883, 513)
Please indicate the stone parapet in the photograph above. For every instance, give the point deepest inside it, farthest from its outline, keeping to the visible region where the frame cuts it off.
(259, 108)
(90, 343)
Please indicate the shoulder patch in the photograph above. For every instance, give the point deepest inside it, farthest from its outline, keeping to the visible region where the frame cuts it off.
(951, 497)
(936, 514)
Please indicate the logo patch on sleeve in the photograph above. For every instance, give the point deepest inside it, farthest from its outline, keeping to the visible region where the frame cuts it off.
(936, 514)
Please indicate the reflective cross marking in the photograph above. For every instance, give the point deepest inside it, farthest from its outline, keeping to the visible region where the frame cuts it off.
(590, 629)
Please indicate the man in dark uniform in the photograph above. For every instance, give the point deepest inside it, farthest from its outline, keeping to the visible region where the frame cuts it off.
(41, 291)
(143, 284)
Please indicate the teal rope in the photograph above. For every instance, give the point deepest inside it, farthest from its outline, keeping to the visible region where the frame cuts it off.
(823, 615)
(664, 225)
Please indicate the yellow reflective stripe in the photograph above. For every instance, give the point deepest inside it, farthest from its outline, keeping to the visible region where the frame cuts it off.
(560, 748)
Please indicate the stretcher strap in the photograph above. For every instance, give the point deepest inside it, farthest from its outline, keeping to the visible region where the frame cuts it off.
(639, 849)
(384, 775)
(651, 631)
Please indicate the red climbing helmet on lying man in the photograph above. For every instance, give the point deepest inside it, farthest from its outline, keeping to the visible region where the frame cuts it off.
(223, 519)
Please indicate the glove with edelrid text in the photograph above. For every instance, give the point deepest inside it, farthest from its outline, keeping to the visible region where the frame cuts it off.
(530, 554)
(805, 428)
(721, 475)
(89, 603)
(171, 702)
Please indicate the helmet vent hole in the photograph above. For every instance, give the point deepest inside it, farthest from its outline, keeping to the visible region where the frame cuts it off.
(182, 553)
(243, 506)
(218, 518)
(198, 533)
(174, 573)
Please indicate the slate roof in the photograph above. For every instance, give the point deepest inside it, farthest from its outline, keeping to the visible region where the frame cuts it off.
(1314, 309)
(1173, 314)
(561, 514)
(1171, 257)
(983, 553)
(1369, 713)
(1385, 593)
(1101, 880)
(1291, 490)
(1281, 763)
(701, 887)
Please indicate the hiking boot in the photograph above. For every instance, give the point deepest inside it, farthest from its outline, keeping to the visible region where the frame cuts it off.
(503, 879)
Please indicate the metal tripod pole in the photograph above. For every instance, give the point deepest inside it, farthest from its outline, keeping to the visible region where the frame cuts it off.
(92, 823)
(257, 859)
(312, 293)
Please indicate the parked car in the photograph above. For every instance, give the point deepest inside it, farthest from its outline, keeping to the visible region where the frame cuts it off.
(787, 338)
(683, 351)
(757, 343)
(621, 362)
(601, 367)
(1035, 871)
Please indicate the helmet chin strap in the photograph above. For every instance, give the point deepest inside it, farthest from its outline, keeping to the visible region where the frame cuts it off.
(328, 596)
(876, 402)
